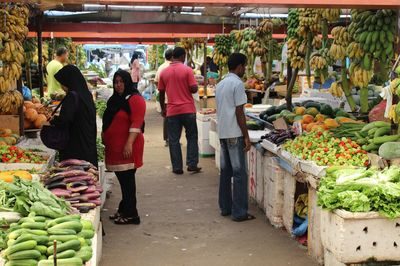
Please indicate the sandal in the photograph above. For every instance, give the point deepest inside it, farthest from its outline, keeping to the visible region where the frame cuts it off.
(114, 216)
(248, 217)
(127, 220)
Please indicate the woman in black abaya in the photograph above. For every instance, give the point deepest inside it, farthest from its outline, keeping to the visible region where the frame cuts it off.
(78, 115)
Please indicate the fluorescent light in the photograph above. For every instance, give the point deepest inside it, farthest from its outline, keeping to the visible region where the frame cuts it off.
(257, 15)
(192, 13)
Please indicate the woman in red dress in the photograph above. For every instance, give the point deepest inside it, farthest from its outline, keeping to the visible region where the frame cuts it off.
(123, 126)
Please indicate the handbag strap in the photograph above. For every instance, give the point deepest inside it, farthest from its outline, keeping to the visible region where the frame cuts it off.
(59, 105)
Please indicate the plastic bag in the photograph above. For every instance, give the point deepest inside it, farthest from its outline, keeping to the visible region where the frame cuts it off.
(378, 112)
(26, 93)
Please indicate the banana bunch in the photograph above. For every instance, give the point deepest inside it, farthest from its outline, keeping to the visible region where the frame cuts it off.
(394, 113)
(293, 22)
(318, 62)
(298, 62)
(395, 86)
(375, 31)
(330, 14)
(337, 52)
(11, 71)
(296, 53)
(309, 19)
(188, 43)
(12, 52)
(219, 59)
(10, 102)
(223, 43)
(317, 42)
(336, 89)
(359, 76)
(265, 27)
(354, 51)
(341, 36)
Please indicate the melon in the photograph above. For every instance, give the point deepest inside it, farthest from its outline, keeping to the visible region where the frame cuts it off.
(31, 114)
(40, 120)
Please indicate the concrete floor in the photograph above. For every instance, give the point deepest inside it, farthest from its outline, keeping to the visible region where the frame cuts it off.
(181, 224)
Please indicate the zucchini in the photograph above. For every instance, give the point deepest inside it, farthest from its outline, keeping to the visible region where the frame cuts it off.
(62, 262)
(382, 131)
(375, 124)
(75, 217)
(52, 231)
(87, 225)
(40, 219)
(85, 254)
(62, 238)
(30, 262)
(371, 132)
(25, 255)
(87, 234)
(26, 220)
(370, 147)
(27, 245)
(383, 139)
(64, 255)
(364, 133)
(74, 225)
(34, 225)
(42, 249)
(23, 238)
(71, 244)
(37, 232)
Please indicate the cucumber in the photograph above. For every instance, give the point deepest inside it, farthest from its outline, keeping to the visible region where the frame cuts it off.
(83, 241)
(17, 233)
(71, 244)
(24, 255)
(42, 249)
(375, 124)
(361, 141)
(52, 231)
(87, 234)
(364, 133)
(34, 225)
(29, 262)
(87, 225)
(85, 254)
(64, 255)
(383, 139)
(10, 242)
(370, 147)
(382, 131)
(23, 238)
(63, 238)
(62, 262)
(371, 132)
(26, 220)
(40, 219)
(41, 240)
(74, 225)
(75, 217)
(27, 245)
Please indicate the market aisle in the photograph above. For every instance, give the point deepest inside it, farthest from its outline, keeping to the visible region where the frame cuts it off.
(181, 223)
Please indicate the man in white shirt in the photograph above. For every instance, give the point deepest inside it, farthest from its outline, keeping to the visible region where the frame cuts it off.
(168, 57)
(235, 142)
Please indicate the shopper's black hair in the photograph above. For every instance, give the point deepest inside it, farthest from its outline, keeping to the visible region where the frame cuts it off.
(235, 60)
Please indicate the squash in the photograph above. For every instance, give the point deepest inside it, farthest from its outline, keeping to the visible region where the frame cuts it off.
(40, 120)
(331, 123)
(307, 119)
(390, 150)
(29, 104)
(31, 114)
(320, 118)
(23, 175)
(6, 177)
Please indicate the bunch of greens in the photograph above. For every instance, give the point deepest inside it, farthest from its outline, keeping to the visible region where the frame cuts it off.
(24, 197)
(361, 190)
(100, 150)
(101, 107)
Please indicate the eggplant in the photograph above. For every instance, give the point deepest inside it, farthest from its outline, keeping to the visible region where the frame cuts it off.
(91, 189)
(96, 201)
(61, 192)
(78, 179)
(71, 162)
(56, 185)
(77, 184)
(84, 204)
(78, 189)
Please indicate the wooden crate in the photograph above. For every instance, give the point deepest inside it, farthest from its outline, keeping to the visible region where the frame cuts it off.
(10, 122)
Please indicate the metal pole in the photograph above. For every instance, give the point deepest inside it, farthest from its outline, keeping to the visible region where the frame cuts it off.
(20, 109)
(39, 20)
(205, 74)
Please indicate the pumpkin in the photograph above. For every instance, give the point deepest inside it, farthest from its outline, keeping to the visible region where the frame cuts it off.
(31, 114)
(40, 120)
(28, 104)
(7, 177)
(27, 124)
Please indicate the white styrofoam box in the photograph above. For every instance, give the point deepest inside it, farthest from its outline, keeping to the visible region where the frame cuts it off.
(214, 124)
(312, 168)
(314, 243)
(214, 140)
(205, 118)
(269, 146)
(205, 148)
(330, 260)
(203, 129)
(260, 179)
(273, 191)
(252, 162)
(218, 159)
(255, 135)
(289, 190)
(358, 237)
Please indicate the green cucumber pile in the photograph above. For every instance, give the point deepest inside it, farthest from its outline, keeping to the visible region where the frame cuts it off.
(31, 241)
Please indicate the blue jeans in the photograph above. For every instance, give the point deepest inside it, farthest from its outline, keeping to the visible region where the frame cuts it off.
(175, 125)
(233, 165)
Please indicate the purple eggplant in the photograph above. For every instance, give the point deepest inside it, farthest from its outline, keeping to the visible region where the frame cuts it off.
(91, 189)
(57, 184)
(78, 179)
(78, 189)
(84, 204)
(61, 192)
(96, 201)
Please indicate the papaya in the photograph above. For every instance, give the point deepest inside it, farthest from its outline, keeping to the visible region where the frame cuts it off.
(312, 111)
(331, 123)
(320, 118)
(307, 119)
(299, 110)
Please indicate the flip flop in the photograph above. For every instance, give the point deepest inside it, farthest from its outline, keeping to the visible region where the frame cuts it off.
(127, 220)
(114, 216)
(248, 217)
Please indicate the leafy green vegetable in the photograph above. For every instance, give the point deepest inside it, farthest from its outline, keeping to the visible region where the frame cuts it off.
(101, 106)
(100, 150)
(362, 190)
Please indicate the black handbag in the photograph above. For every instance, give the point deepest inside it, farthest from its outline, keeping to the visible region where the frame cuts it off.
(54, 137)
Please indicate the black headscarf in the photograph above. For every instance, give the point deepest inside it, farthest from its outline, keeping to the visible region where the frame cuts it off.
(71, 77)
(118, 102)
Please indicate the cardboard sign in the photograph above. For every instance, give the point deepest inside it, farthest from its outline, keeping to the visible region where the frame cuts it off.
(280, 123)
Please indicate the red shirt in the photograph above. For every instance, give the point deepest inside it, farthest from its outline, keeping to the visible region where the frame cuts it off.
(176, 81)
(117, 133)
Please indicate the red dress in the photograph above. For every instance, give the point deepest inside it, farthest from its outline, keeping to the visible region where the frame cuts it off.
(117, 133)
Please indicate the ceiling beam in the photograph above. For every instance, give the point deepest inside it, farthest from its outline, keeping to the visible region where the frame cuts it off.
(243, 3)
(135, 28)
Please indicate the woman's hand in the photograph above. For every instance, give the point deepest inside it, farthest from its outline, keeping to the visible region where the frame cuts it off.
(127, 150)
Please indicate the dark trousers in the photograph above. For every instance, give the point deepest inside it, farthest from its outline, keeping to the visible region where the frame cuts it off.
(127, 206)
(165, 129)
(175, 125)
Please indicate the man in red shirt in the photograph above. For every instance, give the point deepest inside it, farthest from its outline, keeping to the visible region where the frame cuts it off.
(178, 82)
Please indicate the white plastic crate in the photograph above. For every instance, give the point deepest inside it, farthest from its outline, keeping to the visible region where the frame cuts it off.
(289, 190)
(218, 159)
(252, 173)
(214, 140)
(260, 179)
(359, 237)
(203, 128)
(273, 191)
(314, 243)
(205, 148)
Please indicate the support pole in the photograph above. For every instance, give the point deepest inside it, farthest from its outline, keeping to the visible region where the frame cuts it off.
(20, 109)
(205, 74)
(39, 20)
